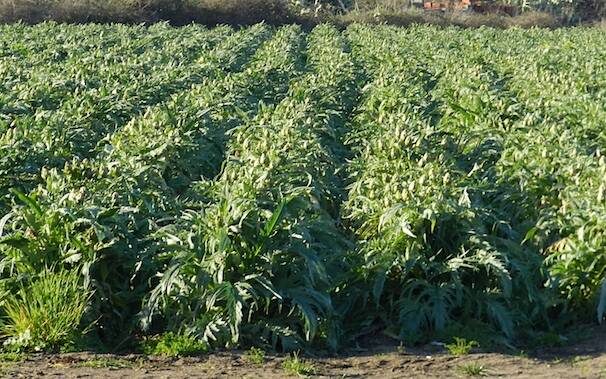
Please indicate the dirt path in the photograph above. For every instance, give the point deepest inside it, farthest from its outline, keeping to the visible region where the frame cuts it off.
(583, 360)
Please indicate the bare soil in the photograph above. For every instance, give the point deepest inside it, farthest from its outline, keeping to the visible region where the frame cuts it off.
(582, 360)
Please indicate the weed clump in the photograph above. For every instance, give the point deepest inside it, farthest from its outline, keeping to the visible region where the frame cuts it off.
(45, 313)
(174, 345)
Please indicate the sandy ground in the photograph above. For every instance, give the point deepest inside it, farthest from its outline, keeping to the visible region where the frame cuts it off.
(583, 360)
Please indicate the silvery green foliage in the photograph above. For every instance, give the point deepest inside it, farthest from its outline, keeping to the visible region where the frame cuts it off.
(292, 189)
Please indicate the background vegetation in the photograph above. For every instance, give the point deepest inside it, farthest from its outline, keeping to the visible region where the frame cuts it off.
(307, 12)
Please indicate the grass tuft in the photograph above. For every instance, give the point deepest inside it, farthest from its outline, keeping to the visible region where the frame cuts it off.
(106, 363)
(461, 346)
(472, 369)
(255, 355)
(293, 365)
(12, 357)
(46, 313)
(174, 345)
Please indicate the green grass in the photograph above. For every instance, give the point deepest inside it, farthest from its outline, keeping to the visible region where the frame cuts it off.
(401, 349)
(461, 346)
(572, 361)
(255, 355)
(295, 366)
(107, 363)
(174, 345)
(10, 359)
(7, 357)
(472, 369)
(45, 313)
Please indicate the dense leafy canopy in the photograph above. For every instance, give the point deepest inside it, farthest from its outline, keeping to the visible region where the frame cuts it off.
(297, 190)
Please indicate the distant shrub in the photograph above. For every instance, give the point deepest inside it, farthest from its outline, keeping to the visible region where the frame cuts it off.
(401, 18)
(248, 12)
(75, 11)
(475, 20)
(208, 12)
(239, 12)
(531, 19)
(406, 17)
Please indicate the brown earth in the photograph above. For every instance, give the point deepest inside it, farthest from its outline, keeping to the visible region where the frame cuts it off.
(586, 359)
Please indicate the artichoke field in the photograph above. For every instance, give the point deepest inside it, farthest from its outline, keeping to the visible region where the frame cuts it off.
(299, 190)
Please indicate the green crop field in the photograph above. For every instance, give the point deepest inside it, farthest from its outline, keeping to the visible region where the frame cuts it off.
(298, 190)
